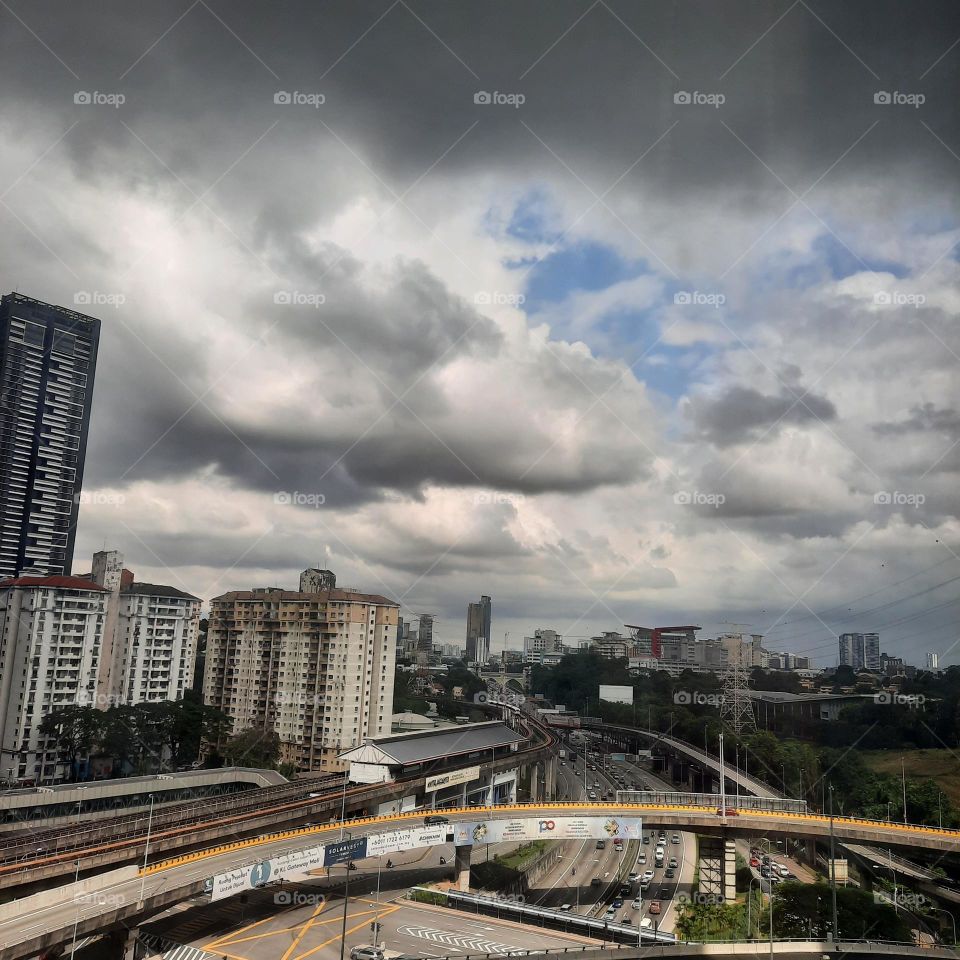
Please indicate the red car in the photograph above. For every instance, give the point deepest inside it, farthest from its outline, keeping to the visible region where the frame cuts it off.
(654, 907)
(731, 812)
(754, 862)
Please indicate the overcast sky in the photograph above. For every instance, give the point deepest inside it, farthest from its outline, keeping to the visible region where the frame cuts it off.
(617, 312)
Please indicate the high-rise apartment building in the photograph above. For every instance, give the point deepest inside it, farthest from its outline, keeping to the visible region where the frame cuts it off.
(96, 640)
(861, 651)
(50, 639)
(425, 634)
(315, 667)
(479, 624)
(48, 358)
(933, 661)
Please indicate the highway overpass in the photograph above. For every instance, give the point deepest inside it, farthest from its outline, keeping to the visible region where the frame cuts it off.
(121, 900)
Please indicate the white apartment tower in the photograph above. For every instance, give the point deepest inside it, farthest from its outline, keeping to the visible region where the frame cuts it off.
(315, 666)
(50, 641)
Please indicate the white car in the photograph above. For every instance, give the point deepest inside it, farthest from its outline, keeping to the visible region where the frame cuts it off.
(638, 904)
(565, 908)
(647, 876)
(366, 953)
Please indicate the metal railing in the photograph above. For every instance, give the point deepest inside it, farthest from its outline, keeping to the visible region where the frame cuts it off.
(711, 800)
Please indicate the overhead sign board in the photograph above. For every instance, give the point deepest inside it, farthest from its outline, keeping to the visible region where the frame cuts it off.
(452, 778)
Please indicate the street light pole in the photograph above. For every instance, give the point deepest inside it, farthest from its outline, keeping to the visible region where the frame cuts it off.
(146, 850)
(833, 873)
(76, 919)
(903, 781)
(953, 919)
(346, 901)
(723, 784)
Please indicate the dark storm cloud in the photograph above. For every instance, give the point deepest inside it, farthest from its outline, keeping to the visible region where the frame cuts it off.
(743, 414)
(798, 91)
(925, 418)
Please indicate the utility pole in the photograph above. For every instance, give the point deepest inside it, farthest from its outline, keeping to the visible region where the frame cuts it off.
(833, 872)
(903, 781)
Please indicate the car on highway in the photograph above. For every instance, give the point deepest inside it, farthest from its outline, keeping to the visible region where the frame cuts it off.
(646, 839)
(595, 882)
(647, 876)
(611, 912)
(675, 838)
(754, 861)
(654, 907)
(637, 904)
(641, 858)
(618, 903)
(765, 871)
(670, 873)
(565, 907)
(433, 820)
(366, 953)
(673, 863)
(646, 923)
(593, 796)
(633, 877)
(601, 844)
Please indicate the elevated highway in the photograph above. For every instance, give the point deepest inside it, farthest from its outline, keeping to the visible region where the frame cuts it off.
(128, 898)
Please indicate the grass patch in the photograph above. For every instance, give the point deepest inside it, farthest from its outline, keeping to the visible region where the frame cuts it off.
(943, 766)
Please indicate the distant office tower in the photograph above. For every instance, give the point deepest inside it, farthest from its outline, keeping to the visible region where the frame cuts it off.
(542, 641)
(425, 633)
(316, 668)
(48, 358)
(479, 616)
(933, 661)
(861, 651)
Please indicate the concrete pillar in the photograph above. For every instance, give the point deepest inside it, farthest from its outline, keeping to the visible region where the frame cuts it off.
(122, 943)
(810, 853)
(551, 777)
(729, 871)
(461, 867)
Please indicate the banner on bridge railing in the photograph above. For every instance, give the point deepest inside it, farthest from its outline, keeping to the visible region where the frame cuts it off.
(555, 828)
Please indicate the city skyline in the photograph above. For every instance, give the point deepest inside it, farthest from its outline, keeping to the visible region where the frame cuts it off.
(439, 342)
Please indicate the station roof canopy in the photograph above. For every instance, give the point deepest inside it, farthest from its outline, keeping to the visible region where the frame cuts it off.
(405, 749)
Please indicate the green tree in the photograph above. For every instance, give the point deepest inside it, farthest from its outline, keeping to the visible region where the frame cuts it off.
(253, 747)
(74, 729)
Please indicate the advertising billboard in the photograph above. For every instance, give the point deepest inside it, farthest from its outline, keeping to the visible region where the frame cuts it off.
(452, 778)
(353, 849)
(555, 828)
(243, 878)
(615, 694)
(397, 840)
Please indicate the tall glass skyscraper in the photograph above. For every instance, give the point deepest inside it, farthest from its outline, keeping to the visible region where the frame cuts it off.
(48, 357)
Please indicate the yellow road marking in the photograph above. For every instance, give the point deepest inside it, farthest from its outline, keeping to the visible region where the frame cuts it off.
(303, 930)
(363, 923)
(273, 933)
(226, 936)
